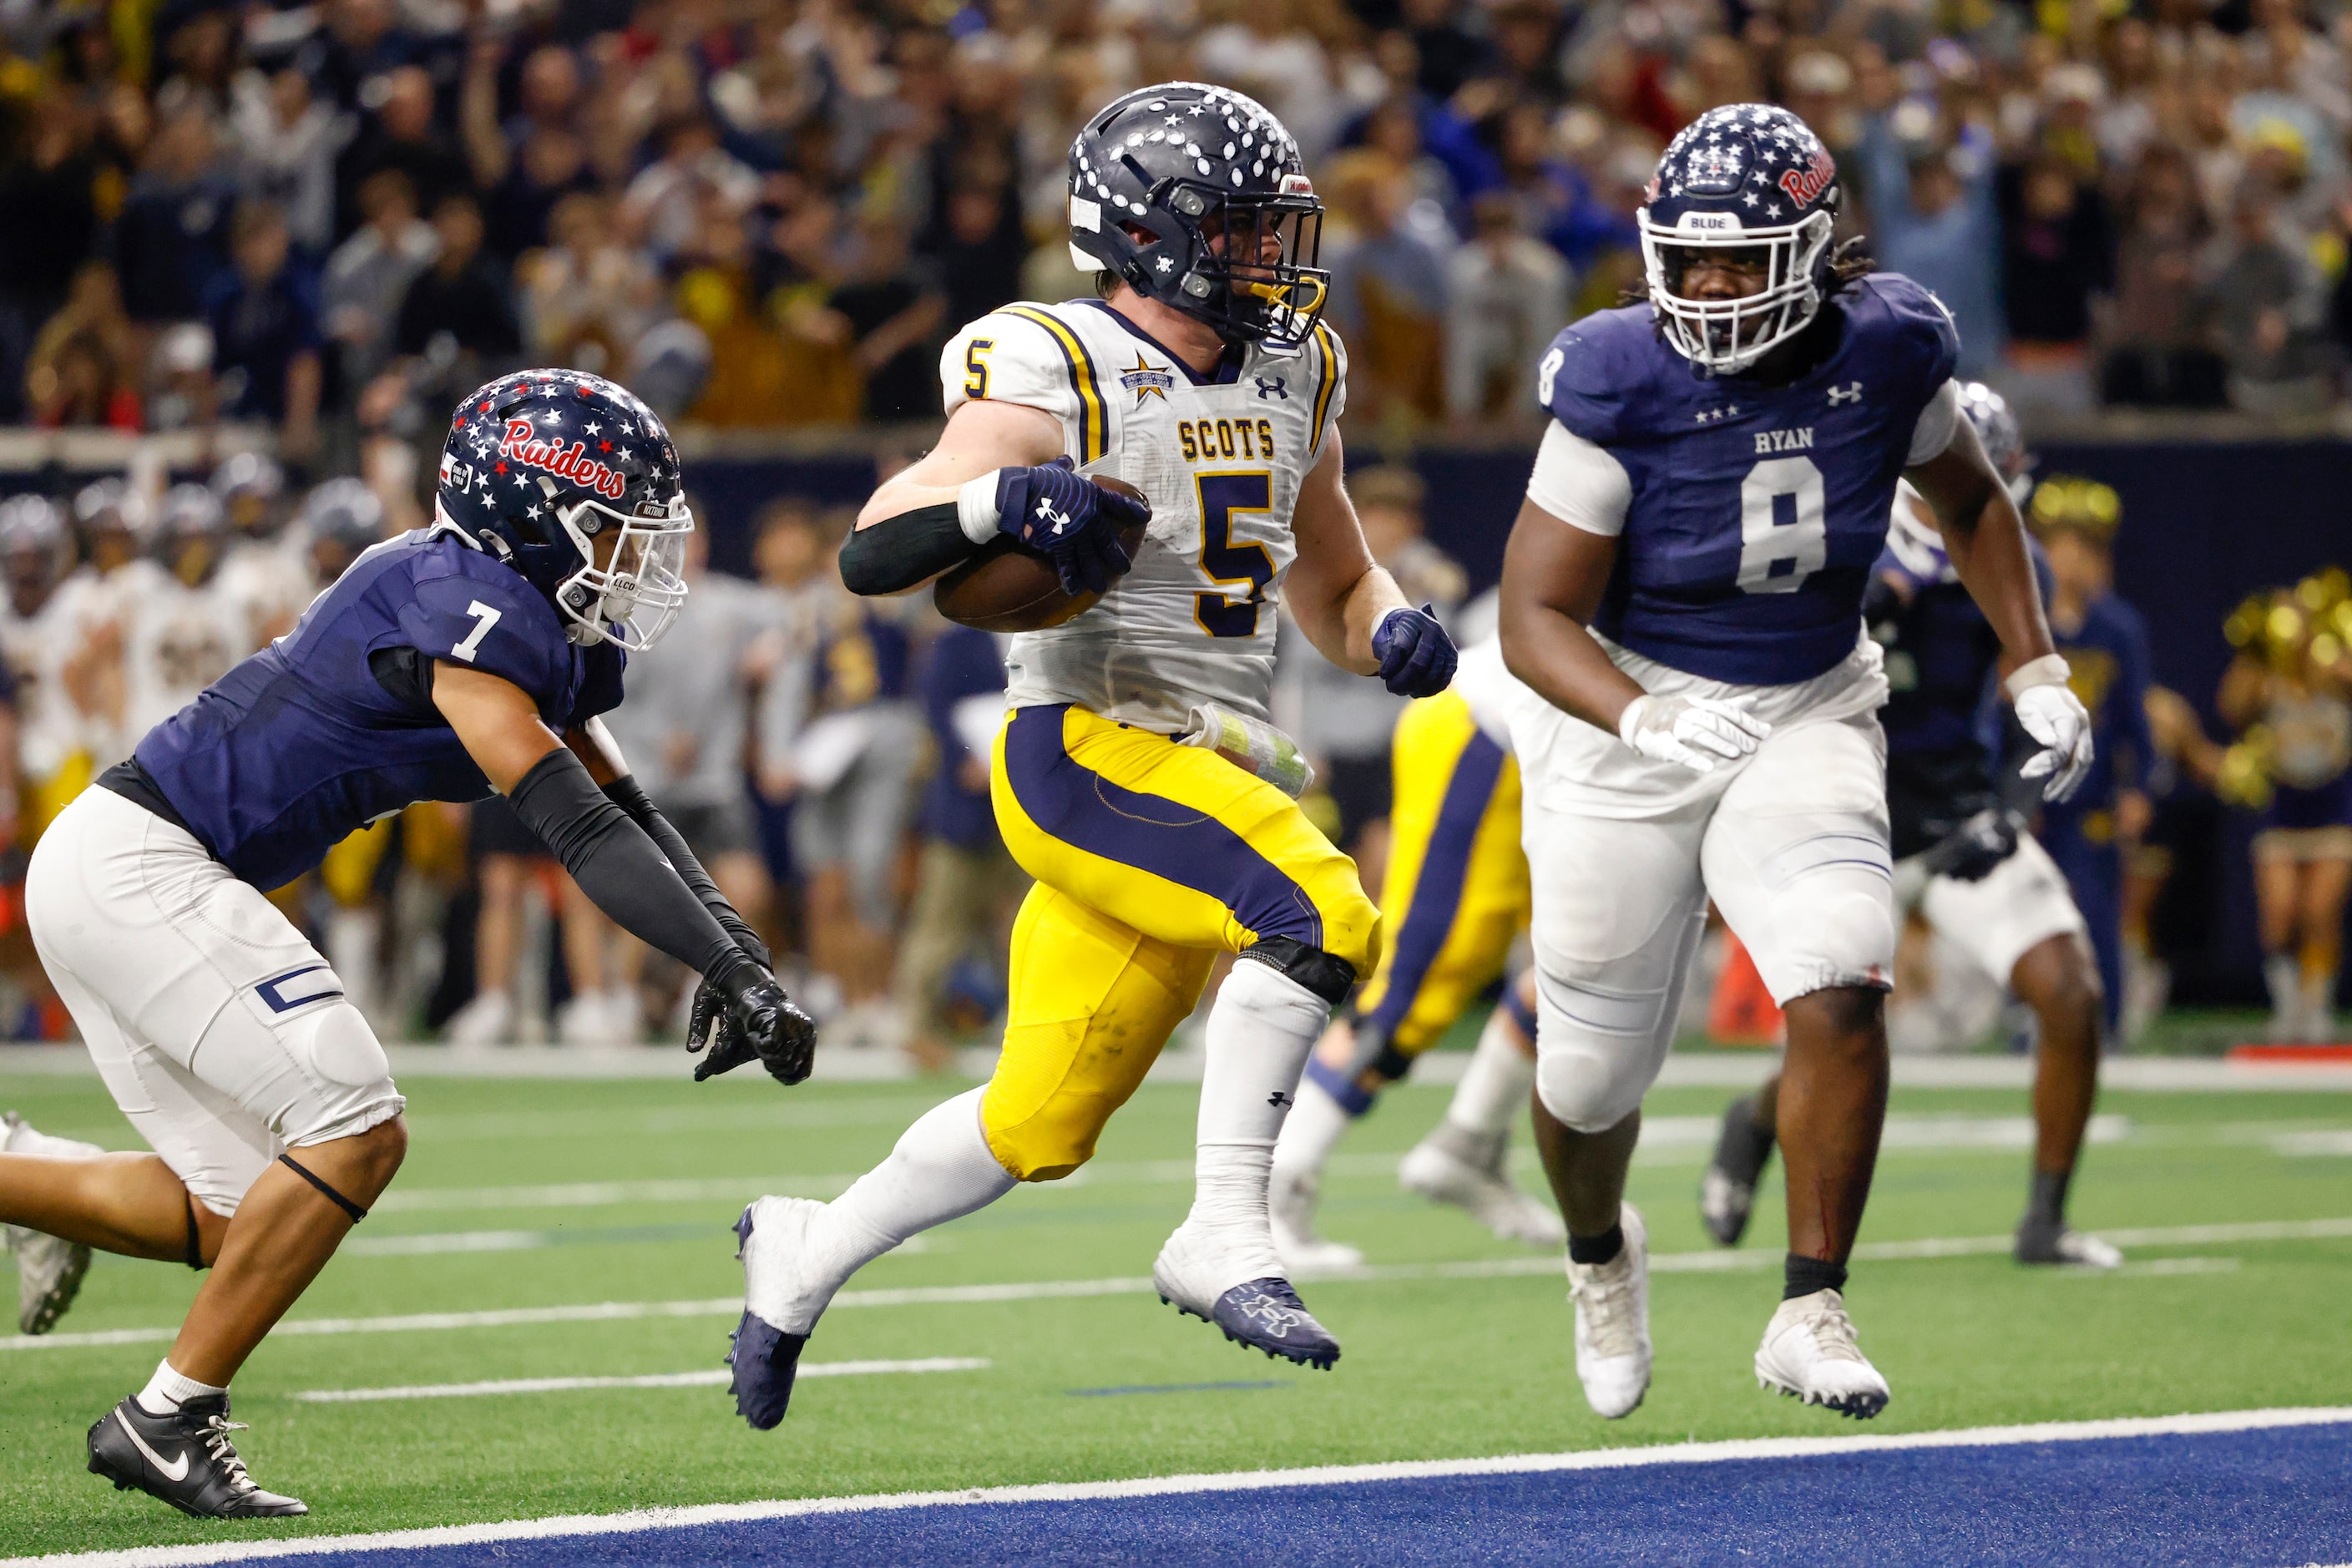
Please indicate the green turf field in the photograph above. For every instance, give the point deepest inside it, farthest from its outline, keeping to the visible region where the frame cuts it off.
(1434, 1366)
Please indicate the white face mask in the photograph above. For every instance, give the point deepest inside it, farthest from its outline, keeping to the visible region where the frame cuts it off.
(1727, 336)
(632, 599)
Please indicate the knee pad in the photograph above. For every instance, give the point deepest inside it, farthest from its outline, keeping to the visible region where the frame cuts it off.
(339, 1052)
(1326, 975)
(1598, 1050)
(1587, 1092)
(1842, 934)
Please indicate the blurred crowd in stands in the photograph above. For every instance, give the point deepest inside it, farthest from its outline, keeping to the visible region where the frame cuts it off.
(767, 213)
(306, 228)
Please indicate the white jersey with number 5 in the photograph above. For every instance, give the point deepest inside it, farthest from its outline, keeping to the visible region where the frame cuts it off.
(1220, 457)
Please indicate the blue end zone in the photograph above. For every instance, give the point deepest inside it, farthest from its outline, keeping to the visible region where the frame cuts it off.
(2278, 1496)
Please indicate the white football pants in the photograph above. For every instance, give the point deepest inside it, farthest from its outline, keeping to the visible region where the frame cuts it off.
(222, 1034)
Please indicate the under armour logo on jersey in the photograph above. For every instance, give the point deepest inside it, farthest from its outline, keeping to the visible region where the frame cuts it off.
(1850, 392)
(1278, 1100)
(1060, 519)
(1274, 388)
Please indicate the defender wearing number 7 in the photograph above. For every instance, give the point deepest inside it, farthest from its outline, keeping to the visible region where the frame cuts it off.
(1683, 593)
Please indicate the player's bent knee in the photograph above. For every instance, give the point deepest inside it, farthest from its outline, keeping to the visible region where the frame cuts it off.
(349, 1075)
(1586, 1092)
(1843, 938)
(1326, 975)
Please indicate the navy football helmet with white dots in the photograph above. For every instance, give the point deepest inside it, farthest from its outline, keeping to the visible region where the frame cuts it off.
(1751, 178)
(542, 469)
(1157, 177)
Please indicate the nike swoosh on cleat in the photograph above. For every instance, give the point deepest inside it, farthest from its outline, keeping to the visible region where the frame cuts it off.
(177, 1471)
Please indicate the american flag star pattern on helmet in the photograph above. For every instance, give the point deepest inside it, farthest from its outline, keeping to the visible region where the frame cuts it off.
(539, 465)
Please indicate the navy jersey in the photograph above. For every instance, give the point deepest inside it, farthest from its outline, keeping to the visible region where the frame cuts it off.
(1942, 719)
(1756, 511)
(333, 724)
(2106, 664)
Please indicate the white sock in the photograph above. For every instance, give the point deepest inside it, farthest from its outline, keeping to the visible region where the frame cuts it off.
(1311, 1130)
(1493, 1092)
(940, 1170)
(2319, 1007)
(168, 1390)
(1259, 1033)
(2283, 978)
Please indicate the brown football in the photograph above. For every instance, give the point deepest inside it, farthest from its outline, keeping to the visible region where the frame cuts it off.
(1009, 587)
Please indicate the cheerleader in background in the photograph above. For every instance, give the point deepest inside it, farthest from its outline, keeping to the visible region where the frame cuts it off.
(2289, 692)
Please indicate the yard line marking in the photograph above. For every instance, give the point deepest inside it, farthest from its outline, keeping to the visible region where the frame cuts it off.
(1681, 1135)
(699, 1379)
(1136, 1285)
(640, 1520)
(1126, 1388)
(428, 1243)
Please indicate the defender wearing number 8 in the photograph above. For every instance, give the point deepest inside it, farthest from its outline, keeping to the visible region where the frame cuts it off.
(1683, 595)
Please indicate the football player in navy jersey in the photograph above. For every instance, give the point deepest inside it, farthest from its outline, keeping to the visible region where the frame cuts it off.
(1683, 593)
(470, 656)
(1964, 859)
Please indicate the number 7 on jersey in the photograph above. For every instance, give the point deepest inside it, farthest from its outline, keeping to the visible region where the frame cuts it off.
(484, 617)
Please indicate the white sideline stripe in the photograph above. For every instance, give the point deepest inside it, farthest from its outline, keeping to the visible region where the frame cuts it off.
(702, 1379)
(1708, 1262)
(638, 1521)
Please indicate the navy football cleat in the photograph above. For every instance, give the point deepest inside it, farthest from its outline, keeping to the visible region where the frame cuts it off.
(1267, 1315)
(184, 1458)
(765, 1357)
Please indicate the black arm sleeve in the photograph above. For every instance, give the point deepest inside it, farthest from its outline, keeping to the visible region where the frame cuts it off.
(899, 552)
(630, 797)
(617, 863)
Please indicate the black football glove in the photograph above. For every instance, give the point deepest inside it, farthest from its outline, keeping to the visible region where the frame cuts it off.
(740, 1013)
(1417, 658)
(1970, 852)
(1072, 519)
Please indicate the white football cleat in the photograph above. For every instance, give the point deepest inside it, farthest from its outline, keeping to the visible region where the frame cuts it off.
(784, 1296)
(1612, 1322)
(1442, 1176)
(1290, 1201)
(488, 1020)
(1808, 1353)
(50, 1270)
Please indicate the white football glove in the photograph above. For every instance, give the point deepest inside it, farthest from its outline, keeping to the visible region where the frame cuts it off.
(1696, 731)
(2057, 720)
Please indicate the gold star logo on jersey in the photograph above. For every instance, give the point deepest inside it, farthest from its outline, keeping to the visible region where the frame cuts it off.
(1147, 380)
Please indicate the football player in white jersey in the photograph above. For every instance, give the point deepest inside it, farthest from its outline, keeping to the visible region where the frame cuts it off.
(264, 572)
(187, 631)
(53, 759)
(1203, 378)
(1683, 593)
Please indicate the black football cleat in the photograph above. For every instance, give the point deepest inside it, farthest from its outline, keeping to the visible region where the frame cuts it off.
(1727, 1192)
(185, 1459)
(766, 1359)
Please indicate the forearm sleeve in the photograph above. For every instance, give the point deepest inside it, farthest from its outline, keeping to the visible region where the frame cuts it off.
(630, 797)
(617, 863)
(900, 552)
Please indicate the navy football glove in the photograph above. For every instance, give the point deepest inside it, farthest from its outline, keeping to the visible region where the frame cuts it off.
(740, 1013)
(1417, 658)
(1072, 519)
